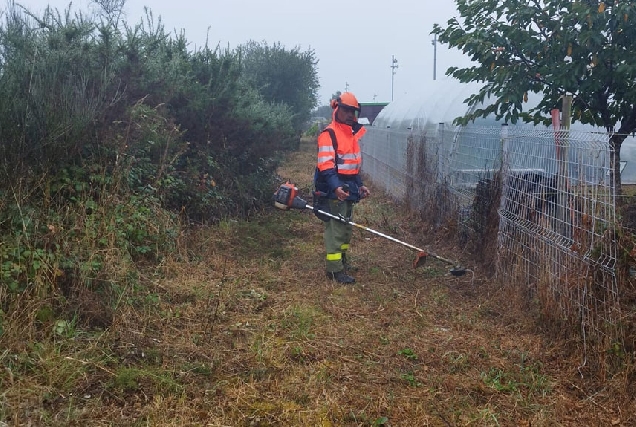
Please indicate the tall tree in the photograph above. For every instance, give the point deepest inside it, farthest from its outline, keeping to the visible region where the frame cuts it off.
(283, 76)
(551, 47)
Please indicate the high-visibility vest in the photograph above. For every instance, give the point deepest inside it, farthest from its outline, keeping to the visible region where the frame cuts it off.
(345, 155)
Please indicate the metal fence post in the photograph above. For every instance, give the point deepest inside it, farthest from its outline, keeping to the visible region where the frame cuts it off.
(441, 170)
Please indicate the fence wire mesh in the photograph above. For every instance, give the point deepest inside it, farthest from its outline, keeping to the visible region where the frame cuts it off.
(542, 200)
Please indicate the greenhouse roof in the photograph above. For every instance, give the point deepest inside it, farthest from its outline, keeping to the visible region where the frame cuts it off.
(439, 101)
(442, 101)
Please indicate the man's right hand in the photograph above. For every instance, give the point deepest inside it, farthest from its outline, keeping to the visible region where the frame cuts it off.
(341, 194)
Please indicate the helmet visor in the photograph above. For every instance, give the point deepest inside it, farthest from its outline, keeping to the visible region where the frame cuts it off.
(350, 109)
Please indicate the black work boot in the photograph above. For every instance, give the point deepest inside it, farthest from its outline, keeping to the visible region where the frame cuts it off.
(348, 267)
(340, 277)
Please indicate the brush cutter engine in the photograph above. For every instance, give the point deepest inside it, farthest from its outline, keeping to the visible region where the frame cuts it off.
(286, 197)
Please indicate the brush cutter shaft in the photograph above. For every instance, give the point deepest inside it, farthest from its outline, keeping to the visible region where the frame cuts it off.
(377, 233)
(385, 236)
(286, 197)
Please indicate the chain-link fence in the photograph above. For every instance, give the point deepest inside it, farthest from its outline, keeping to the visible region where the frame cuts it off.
(535, 203)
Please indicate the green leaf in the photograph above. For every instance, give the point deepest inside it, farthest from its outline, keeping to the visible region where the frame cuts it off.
(510, 33)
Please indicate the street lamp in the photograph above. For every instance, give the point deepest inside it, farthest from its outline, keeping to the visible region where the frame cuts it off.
(394, 66)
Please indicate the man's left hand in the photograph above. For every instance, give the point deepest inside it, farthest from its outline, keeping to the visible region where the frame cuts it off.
(364, 192)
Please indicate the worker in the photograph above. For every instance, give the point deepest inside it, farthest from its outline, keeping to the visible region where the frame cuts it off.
(337, 179)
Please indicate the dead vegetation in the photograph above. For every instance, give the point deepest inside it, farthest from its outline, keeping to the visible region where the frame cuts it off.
(244, 330)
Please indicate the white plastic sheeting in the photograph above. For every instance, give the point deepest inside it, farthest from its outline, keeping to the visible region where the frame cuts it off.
(441, 101)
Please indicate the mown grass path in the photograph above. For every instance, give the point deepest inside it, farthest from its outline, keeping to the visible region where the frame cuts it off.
(244, 330)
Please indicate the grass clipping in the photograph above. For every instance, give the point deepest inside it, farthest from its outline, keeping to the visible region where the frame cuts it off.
(245, 330)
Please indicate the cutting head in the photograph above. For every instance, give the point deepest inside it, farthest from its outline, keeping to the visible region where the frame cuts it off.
(457, 271)
(420, 259)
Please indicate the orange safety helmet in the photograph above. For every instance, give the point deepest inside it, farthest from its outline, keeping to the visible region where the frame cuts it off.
(346, 99)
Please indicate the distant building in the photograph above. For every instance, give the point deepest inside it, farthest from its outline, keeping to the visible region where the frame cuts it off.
(370, 110)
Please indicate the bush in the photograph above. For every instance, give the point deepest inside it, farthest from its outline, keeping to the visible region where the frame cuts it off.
(111, 138)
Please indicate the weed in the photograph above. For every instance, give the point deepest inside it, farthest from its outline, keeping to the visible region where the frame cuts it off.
(127, 379)
(198, 369)
(411, 379)
(458, 362)
(45, 364)
(408, 353)
(65, 328)
(153, 356)
(130, 380)
(526, 378)
(487, 416)
(152, 300)
(380, 422)
(299, 321)
(324, 373)
(500, 380)
(258, 347)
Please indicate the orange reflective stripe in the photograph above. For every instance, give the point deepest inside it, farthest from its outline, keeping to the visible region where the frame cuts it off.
(348, 158)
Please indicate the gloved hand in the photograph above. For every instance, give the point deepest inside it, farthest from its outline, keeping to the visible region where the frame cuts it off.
(364, 192)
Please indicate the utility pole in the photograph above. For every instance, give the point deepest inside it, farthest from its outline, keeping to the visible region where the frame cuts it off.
(434, 43)
(394, 66)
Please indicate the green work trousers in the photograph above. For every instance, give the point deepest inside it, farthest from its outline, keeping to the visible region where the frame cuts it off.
(337, 234)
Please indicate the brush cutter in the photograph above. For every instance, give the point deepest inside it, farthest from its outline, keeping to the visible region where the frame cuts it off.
(286, 197)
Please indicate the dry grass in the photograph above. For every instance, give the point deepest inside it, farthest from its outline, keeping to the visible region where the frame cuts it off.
(248, 332)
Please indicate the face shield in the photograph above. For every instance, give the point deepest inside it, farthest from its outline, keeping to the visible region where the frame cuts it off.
(350, 110)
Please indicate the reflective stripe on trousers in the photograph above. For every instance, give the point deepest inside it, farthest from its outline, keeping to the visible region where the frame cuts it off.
(337, 235)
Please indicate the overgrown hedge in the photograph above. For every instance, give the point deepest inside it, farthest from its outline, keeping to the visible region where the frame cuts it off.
(112, 138)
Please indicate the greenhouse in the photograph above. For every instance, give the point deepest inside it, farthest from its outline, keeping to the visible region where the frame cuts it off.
(434, 108)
